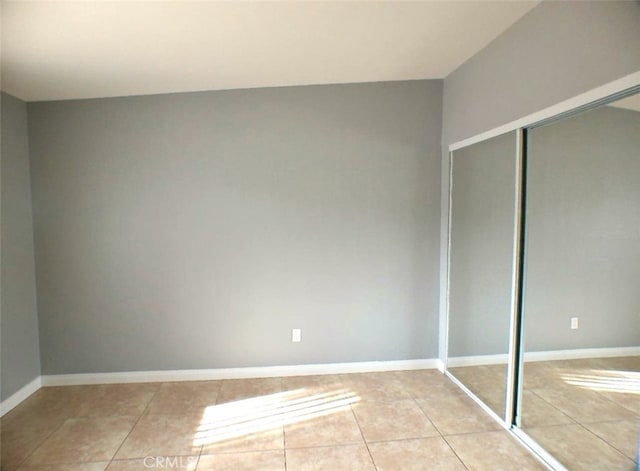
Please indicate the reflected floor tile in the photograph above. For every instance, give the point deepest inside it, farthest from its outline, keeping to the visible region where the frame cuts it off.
(385, 386)
(156, 435)
(622, 435)
(629, 364)
(266, 460)
(579, 364)
(456, 413)
(481, 374)
(238, 389)
(584, 405)
(577, 448)
(84, 440)
(537, 412)
(541, 375)
(184, 397)
(333, 458)
(185, 463)
(68, 467)
(488, 382)
(492, 450)
(602, 379)
(383, 421)
(109, 400)
(424, 454)
(496, 371)
(491, 395)
(629, 400)
(337, 428)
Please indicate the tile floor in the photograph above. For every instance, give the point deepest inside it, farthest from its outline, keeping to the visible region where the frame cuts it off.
(584, 412)
(405, 420)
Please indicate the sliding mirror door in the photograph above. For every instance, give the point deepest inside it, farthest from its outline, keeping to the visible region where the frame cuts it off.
(481, 266)
(580, 379)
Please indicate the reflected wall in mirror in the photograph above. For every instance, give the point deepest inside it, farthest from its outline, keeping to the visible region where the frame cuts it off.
(580, 396)
(481, 254)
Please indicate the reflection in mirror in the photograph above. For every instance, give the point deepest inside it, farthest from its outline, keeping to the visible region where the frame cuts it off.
(580, 396)
(483, 181)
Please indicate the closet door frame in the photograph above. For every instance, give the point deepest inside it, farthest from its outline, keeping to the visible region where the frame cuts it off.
(612, 91)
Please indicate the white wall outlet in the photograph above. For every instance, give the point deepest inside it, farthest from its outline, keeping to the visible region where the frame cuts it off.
(574, 322)
(296, 335)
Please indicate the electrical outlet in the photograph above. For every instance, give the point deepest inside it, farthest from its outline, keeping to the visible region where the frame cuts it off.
(296, 335)
(574, 322)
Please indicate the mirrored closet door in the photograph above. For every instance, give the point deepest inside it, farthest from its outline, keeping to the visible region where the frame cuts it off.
(543, 324)
(580, 396)
(481, 266)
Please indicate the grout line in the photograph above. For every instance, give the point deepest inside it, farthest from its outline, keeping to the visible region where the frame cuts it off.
(409, 439)
(551, 405)
(26, 458)
(444, 438)
(199, 456)
(355, 417)
(136, 423)
(632, 412)
(605, 441)
(635, 419)
(459, 434)
(454, 452)
(242, 452)
(284, 434)
(310, 447)
(234, 452)
(427, 416)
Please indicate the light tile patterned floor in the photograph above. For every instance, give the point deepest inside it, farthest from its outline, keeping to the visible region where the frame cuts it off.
(584, 412)
(409, 420)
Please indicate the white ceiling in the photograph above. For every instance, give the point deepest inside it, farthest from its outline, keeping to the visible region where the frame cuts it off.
(61, 50)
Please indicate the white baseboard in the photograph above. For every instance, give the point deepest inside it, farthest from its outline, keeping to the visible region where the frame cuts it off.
(574, 354)
(23, 393)
(478, 360)
(580, 353)
(236, 373)
(213, 374)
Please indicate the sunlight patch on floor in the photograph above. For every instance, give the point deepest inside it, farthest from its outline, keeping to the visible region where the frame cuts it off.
(606, 380)
(249, 416)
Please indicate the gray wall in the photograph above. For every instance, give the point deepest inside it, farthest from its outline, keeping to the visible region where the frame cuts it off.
(195, 230)
(19, 321)
(555, 52)
(482, 233)
(583, 232)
